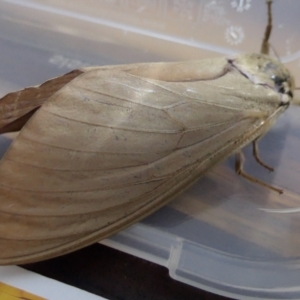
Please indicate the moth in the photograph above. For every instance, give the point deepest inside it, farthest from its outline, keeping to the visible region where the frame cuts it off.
(103, 147)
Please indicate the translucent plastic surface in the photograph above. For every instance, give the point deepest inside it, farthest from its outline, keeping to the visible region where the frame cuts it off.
(224, 234)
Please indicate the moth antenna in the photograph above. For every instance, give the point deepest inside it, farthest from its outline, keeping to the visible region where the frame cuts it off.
(265, 47)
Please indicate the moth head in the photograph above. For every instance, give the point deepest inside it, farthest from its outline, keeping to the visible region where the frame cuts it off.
(261, 69)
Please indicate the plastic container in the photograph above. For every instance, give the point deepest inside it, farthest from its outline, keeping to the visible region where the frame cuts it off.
(224, 234)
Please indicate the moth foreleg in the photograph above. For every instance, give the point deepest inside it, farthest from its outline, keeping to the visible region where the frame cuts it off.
(258, 159)
(239, 162)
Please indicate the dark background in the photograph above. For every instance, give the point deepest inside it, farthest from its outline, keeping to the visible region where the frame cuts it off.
(115, 275)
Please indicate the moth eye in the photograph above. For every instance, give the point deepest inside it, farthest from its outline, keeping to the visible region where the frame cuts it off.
(278, 81)
(282, 85)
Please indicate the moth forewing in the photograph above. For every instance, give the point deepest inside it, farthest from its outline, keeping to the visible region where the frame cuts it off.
(116, 143)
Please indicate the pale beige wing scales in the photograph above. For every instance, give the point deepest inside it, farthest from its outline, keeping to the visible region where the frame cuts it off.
(105, 151)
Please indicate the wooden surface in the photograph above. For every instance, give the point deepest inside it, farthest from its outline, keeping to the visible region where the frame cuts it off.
(117, 276)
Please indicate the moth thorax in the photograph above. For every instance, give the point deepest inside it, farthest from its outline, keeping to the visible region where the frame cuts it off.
(263, 70)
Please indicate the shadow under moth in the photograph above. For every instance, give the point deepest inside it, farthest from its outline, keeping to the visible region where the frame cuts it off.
(102, 147)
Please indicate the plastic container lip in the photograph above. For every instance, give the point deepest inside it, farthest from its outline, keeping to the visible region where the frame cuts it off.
(224, 234)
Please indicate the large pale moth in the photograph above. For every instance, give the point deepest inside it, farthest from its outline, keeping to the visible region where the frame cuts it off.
(102, 147)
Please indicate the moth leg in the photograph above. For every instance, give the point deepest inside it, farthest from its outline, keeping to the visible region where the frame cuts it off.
(258, 159)
(265, 46)
(239, 161)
